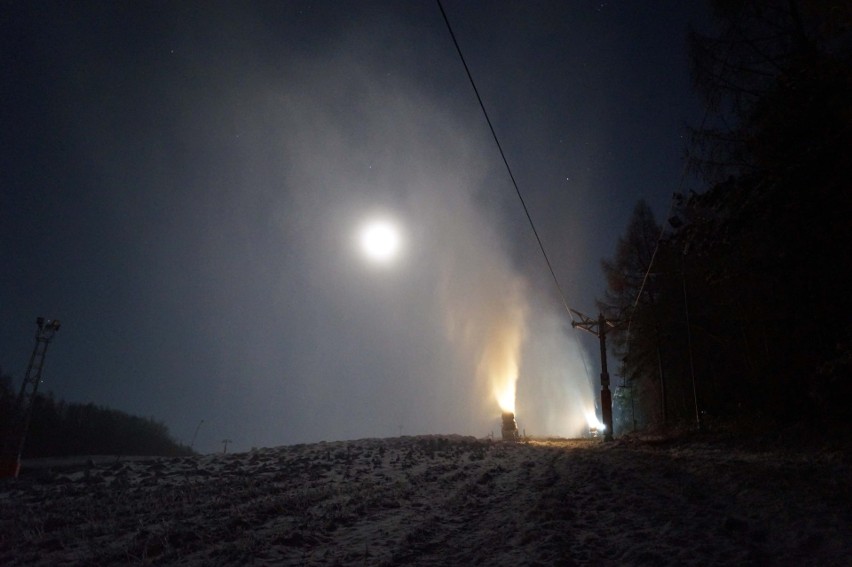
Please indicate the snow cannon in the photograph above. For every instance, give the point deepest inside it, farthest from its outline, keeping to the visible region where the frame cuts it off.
(510, 428)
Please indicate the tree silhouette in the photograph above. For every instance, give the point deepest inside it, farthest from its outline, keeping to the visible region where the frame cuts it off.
(61, 429)
(749, 291)
(638, 345)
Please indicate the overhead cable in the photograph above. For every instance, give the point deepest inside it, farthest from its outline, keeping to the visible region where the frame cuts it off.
(506, 163)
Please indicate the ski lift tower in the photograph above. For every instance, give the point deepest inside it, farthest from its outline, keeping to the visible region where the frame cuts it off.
(600, 328)
(13, 444)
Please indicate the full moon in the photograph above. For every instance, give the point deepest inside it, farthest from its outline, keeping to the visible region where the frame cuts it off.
(380, 240)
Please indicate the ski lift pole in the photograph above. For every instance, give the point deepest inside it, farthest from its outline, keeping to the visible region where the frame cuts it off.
(13, 444)
(600, 328)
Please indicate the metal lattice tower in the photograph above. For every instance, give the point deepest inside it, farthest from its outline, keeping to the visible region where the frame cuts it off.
(13, 444)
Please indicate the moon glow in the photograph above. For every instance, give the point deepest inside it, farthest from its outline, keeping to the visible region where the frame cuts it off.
(380, 240)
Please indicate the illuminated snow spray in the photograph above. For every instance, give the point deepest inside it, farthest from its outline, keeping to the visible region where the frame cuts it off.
(499, 366)
(499, 363)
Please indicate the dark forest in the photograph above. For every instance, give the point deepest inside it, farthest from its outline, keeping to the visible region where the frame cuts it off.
(738, 304)
(59, 429)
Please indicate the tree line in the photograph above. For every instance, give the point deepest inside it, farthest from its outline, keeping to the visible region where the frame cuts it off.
(59, 429)
(740, 303)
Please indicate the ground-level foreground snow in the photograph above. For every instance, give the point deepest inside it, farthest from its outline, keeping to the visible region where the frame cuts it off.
(437, 501)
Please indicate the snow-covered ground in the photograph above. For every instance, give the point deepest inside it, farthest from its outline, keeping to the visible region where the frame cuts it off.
(438, 500)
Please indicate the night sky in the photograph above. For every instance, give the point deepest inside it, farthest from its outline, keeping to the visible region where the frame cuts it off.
(182, 185)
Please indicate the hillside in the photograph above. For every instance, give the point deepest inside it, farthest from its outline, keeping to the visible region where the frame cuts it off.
(437, 501)
(58, 429)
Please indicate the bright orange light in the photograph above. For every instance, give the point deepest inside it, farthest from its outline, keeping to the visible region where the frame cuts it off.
(499, 363)
(505, 394)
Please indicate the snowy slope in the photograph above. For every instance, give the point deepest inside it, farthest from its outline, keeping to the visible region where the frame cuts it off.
(437, 501)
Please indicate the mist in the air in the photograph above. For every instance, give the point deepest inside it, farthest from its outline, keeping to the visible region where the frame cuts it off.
(437, 340)
(230, 177)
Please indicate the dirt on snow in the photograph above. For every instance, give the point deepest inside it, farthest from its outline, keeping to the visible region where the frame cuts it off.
(438, 500)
